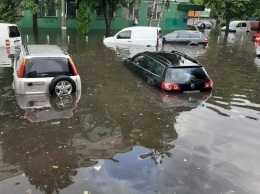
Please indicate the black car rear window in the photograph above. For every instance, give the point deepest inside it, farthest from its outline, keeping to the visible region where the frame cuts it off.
(47, 67)
(14, 32)
(185, 74)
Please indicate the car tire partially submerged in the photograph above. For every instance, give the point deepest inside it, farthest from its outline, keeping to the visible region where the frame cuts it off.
(62, 85)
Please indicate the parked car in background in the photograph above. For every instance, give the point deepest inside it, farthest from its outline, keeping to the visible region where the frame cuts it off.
(199, 25)
(185, 37)
(9, 35)
(7, 56)
(238, 26)
(192, 27)
(45, 69)
(254, 25)
(137, 35)
(170, 71)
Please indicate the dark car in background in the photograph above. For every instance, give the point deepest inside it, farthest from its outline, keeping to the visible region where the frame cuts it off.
(170, 71)
(189, 37)
(199, 25)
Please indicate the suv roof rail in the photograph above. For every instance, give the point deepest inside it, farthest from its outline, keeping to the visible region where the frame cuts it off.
(154, 54)
(64, 51)
(186, 56)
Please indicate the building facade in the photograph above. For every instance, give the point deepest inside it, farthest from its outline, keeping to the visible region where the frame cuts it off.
(172, 19)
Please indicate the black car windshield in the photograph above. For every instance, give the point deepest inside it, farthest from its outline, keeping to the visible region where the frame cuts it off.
(186, 74)
(47, 67)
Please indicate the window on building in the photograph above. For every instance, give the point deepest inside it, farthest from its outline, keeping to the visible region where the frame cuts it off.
(100, 14)
(47, 9)
(157, 11)
(71, 9)
(133, 12)
(19, 11)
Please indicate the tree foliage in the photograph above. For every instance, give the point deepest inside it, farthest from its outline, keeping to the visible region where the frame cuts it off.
(108, 8)
(85, 17)
(233, 9)
(8, 11)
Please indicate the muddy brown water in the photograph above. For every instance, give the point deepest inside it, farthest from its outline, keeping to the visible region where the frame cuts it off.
(120, 135)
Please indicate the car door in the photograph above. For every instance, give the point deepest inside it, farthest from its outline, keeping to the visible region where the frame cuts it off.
(183, 38)
(195, 38)
(170, 38)
(146, 66)
(134, 64)
(124, 37)
(156, 77)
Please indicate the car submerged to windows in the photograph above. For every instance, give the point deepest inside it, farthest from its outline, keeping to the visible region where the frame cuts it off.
(45, 69)
(189, 37)
(171, 71)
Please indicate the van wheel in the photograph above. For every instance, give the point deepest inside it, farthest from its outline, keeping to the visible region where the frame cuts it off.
(62, 85)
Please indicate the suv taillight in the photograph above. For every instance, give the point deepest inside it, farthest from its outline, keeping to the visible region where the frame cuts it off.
(206, 41)
(170, 86)
(75, 72)
(7, 42)
(208, 85)
(22, 68)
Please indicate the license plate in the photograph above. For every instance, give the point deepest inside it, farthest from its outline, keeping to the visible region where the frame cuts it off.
(192, 91)
(34, 87)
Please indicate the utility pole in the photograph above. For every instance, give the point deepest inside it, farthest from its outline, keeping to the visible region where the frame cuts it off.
(63, 15)
(63, 22)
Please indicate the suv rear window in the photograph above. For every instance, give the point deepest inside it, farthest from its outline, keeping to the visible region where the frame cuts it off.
(14, 32)
(185, 74)
(47, 67)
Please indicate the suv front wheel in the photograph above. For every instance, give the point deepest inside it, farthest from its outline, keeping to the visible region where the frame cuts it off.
(62, 85)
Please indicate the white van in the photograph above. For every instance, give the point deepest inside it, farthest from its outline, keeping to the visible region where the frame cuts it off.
(9, 35)
(137, 35)
(238, 26)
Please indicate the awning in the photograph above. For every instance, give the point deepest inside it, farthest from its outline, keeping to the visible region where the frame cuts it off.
(185, 7)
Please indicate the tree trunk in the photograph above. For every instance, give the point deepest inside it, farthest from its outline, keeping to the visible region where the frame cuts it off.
(152, 13)
(161, 14)
(35, 29)
(106, 17)
(227, 19)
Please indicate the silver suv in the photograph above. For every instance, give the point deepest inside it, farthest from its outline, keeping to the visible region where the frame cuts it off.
(45, 69)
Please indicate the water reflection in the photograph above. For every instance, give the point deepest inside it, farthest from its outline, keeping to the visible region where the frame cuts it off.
(127, 137)
(43, 107)
(125, 51)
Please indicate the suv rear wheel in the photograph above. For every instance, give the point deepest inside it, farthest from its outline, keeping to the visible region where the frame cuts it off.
(62, 85)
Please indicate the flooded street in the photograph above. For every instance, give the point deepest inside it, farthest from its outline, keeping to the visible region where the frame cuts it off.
(121, 135)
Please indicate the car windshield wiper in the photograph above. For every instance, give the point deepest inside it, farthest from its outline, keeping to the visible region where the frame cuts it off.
(32, 74)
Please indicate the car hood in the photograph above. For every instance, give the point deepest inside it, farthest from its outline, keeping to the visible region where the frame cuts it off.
(109, 40)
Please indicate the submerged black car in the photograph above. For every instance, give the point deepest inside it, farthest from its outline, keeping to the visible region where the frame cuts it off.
(170, 71)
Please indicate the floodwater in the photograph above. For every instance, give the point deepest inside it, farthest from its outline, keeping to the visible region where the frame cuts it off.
(121, 135)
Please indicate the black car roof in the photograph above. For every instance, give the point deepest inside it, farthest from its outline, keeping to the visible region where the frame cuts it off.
(172, 59)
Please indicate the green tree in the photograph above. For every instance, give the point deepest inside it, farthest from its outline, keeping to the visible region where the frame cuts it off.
(232, 9)
(8, 11)
(33, 6)
(108, 8)
(85, 17)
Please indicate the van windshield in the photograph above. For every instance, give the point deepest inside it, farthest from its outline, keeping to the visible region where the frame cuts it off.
(14, 32)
